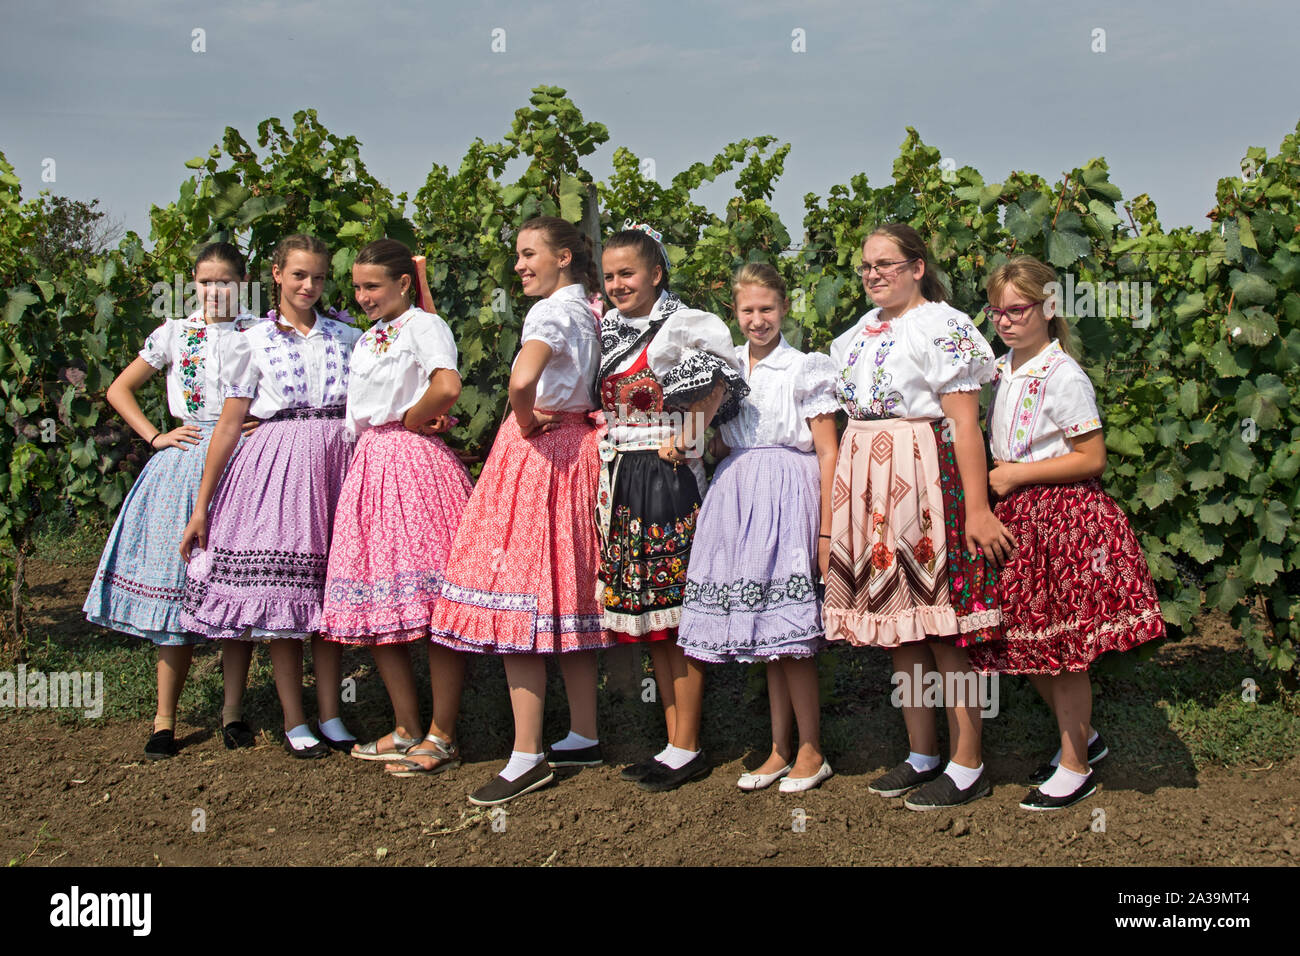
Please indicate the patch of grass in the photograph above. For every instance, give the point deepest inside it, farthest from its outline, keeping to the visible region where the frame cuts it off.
(1235, 732)
(63, 539)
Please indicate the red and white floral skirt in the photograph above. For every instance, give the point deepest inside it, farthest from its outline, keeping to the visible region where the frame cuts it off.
(522, 573)
(1077, 586)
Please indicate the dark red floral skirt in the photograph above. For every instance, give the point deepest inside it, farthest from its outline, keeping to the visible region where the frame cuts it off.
(1076, 587)
(972, 582)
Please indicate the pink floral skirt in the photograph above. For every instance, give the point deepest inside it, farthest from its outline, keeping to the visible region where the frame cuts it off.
(398, 512)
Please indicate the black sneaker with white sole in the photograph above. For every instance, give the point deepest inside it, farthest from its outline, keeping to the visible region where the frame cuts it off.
(1097, 750)
(903, 778)
(943, 792)
(500, 790)
(1037, 800)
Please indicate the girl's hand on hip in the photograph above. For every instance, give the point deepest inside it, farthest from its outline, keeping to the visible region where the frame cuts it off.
(177, 437)
(542, 423)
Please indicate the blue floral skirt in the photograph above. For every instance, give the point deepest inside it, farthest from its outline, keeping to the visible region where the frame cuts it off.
(141, 577)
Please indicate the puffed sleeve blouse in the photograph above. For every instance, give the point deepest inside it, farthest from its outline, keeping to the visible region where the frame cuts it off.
(689, 353)
(565, 322)
(1038, 409)
(191, 352)
(391, 366)
(279, 368)
(900, 368)
(786, 389)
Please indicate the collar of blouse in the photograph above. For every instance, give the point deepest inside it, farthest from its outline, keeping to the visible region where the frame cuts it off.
(779, 359)
(1036, 367)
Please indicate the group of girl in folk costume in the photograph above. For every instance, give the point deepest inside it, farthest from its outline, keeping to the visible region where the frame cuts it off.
(343, 517)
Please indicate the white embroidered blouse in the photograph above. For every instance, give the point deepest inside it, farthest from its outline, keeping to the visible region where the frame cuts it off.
(1040, 407)
(900, 368)
(190, 352)
(566, 323)
(279, 368)
(786, 388)
(391, 366)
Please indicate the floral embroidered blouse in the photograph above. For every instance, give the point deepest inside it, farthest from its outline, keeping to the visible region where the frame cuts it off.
(786, 388)
(1040, 407)
(900, 368)
(391, 366)
(190, 351)
(279, 368)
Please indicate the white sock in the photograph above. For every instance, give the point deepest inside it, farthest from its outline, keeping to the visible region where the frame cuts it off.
(1063, 783)
(675, 758)
(1056, 760)
(301, 737)
(963, 776)
(662, 755)
(335, 731)
(922, 762)
(575, 741)
(520, 763)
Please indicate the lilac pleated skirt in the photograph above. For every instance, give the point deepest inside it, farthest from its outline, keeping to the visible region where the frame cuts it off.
(262, 574)
(751, 591)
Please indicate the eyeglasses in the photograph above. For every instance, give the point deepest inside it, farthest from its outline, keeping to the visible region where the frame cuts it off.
(881, 269)
(1016, 314)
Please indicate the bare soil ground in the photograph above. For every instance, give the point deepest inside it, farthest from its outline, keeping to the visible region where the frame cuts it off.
(80, 793)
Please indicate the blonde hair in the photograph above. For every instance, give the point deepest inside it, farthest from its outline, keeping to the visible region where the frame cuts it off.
(1034, 280)
(758, 273)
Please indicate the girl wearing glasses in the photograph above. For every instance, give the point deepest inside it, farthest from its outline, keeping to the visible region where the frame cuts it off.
(913, 544)
(1077, 585)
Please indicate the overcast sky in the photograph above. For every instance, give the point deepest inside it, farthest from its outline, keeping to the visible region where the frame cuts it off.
(114, 93)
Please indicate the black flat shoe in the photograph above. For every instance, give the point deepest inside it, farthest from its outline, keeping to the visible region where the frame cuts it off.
(161, 745)
(1037, 800)
(500, 790)
(664, 778)
(638, 771)
(314, 752)
(342, 746)
(1097, 750)
(942, 792)
(903, 778)
(237, 734)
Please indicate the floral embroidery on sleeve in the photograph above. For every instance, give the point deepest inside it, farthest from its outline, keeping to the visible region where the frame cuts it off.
(959, 344)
